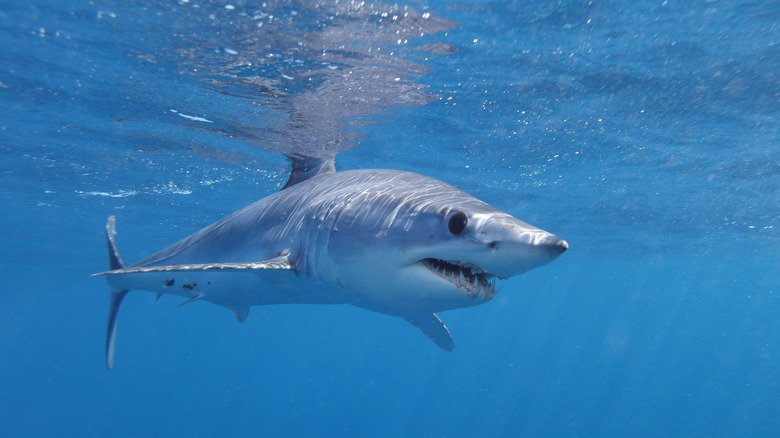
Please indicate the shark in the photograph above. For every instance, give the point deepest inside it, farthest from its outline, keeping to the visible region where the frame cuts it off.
(390, 241)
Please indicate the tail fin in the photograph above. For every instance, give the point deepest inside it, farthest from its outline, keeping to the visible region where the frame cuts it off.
(113, 311)
(115, 262)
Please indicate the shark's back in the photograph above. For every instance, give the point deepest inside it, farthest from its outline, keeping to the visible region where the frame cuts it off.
(275, 224)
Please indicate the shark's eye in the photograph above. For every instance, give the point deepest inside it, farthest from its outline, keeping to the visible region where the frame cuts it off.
(458, 222)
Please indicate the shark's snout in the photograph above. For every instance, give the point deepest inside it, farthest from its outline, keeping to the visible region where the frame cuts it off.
(518, 247)
(554, 244)
(545, 248)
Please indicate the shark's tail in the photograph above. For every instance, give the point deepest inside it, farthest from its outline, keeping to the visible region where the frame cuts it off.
(115, 262)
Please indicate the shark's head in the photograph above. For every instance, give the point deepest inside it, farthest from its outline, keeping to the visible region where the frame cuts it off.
(429, 246)
(478, 246)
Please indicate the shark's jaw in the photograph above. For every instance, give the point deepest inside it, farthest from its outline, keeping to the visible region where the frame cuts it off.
(468, 277)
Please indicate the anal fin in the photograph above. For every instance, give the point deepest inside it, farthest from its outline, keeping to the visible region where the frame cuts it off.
(431, 326)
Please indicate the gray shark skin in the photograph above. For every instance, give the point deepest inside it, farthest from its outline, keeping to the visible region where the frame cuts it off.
(393, 242)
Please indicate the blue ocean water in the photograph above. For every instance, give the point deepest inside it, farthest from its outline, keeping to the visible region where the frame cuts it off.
(645, 133)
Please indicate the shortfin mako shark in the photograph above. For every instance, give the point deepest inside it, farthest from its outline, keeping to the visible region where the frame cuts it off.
(394, 242)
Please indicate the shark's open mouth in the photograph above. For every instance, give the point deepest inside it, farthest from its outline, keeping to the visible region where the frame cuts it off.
(463, 275)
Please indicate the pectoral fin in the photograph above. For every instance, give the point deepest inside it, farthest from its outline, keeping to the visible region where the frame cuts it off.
(431, 326)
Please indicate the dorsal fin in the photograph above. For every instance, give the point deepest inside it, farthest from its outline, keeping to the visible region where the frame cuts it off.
(304, 168)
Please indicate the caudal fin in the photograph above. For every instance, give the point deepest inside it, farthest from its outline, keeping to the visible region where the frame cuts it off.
(113, 311)
(114, 262)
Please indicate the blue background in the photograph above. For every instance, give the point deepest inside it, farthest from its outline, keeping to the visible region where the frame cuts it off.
(645, 133)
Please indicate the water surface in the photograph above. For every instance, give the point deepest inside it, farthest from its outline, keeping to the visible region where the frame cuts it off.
(645, 134)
